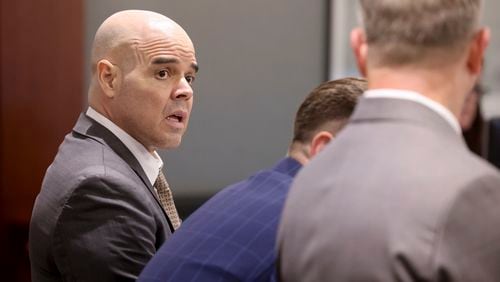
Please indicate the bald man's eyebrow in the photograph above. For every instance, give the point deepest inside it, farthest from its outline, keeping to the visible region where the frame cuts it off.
(195, 67)
(161, 61)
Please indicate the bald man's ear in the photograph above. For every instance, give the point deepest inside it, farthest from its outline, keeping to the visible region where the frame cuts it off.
(107, 75)
(360, 49)
(319, 141)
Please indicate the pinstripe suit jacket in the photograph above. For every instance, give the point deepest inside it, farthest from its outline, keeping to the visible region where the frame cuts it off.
(396, 197)
(232, 236)
(96, 217)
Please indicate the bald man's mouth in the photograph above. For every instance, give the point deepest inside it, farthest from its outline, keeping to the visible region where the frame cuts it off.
(177, 119)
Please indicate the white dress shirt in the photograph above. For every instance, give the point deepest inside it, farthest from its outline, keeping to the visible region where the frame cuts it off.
(151, 163)
(418, 98)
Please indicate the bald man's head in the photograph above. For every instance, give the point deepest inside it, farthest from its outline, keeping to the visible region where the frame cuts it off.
(143, 65)
(119, 36)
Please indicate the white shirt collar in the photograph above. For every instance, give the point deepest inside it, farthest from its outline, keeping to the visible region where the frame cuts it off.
(418, 98)
(150, 163)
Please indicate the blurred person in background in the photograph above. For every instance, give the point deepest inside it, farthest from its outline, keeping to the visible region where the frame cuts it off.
(481, 135)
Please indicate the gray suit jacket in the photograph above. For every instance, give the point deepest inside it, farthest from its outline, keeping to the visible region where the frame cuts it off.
(396, 197)
(97, 217)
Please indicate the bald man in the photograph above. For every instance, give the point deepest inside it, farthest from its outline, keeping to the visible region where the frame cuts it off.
(105, 206)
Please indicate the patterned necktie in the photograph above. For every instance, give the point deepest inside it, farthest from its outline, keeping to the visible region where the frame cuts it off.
(167, 200)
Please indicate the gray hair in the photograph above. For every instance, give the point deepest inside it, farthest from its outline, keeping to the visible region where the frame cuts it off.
(401, 32)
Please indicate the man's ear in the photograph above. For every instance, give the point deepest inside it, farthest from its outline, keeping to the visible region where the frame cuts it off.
(360, 48)
(477, 50)
(319, 141)
(107, 75)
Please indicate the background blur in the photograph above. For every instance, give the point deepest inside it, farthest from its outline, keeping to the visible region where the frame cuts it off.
(258, 59)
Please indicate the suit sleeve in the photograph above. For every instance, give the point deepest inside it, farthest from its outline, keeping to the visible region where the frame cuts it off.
(106, 232)
(469, 245)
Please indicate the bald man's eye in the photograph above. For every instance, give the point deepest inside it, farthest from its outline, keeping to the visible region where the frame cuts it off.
(190, 79)
(163, 74)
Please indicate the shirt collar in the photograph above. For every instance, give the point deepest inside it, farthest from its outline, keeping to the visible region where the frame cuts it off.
(288, 166)
(150, 163)
(418, 98)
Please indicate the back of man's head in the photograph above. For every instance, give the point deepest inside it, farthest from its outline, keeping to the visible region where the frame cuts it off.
(403, 32)
(327, 107)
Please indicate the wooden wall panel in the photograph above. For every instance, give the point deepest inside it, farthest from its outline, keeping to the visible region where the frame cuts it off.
(41, 93)
(41, 46)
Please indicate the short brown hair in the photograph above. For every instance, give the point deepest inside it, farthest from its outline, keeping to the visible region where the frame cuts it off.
(330, 101)
(418, 31)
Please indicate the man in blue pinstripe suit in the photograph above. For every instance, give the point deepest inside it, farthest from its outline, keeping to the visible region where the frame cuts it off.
(232, 236)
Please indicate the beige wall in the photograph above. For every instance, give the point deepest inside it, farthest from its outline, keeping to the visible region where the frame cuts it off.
(491, 102)
(491, 19)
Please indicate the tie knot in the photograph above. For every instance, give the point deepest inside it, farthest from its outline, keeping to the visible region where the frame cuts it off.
(161, 181)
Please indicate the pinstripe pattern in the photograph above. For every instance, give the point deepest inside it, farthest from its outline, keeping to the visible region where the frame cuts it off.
(232, 236)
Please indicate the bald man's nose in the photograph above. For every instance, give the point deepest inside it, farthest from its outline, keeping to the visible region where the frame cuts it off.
(183, 90)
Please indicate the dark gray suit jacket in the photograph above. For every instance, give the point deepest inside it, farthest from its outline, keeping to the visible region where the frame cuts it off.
(396, 197)
(96, 217)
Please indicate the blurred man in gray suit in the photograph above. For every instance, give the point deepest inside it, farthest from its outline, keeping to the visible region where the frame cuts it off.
(105, 206)
(398, 196)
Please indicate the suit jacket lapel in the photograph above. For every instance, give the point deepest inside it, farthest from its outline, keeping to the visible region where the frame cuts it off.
(92, 129)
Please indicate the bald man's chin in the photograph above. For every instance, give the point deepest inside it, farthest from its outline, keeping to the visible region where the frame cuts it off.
(172, 142)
